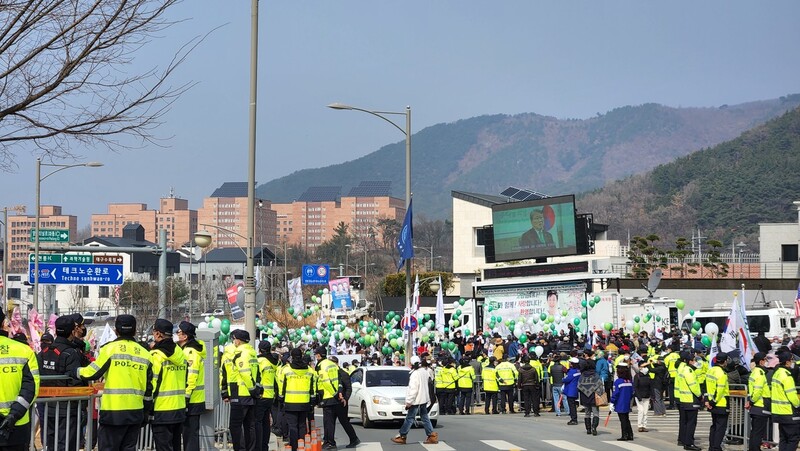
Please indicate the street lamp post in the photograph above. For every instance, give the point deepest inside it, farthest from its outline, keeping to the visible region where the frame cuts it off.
(430, 251)
(39, 180)
(249, 275)
(203, 239)
(407, 133)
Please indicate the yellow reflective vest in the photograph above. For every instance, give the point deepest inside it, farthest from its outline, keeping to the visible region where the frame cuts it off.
(539, 369)
(269, 372)
(244, 374)
(758, 391)
(489, 377)
(671, 361)
(689, 389)
(507, 374)
(225, 370)
(700, 373)
(20, 380)
(127, 369)
(717, 387)
(296, 386)
(169, 384)
(784, 396)
(437, 377)
(195, 354)
(328, 379)
(449, 376)
(466, 377)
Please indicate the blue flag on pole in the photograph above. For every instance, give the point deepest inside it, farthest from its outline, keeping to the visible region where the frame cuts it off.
(404, 242)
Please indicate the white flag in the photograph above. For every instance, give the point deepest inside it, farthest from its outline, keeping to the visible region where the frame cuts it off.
(737, 336)
(107, 336)
(295, 294)
(714, 350)
(440, 308)
(415, 299)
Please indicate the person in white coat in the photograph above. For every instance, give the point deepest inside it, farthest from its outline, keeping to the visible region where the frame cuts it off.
(417, 400)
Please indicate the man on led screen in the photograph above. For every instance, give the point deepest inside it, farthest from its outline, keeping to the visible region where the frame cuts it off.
(536, 236)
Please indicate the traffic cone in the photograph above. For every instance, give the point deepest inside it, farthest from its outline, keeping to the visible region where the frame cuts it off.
(288, 447)
(301, 445)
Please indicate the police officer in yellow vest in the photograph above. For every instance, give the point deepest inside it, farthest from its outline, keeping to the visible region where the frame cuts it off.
(758, 402)
(127, 398)
(297, 387)
(785, 403)
(244, 389)
(671, 361)
(490, 386)
(268, 367)
(507, 377)
(465, 380)
(195, 353)
(689, 395)
(328, 390)
(18, 390)
(169, 388)
(449, 375)
(717, 400)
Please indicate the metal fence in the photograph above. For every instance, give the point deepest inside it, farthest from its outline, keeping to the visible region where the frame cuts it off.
(738, 416)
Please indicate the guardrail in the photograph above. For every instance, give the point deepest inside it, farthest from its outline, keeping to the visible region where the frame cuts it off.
(738, 416)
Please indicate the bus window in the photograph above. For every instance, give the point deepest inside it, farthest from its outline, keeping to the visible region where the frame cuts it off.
(783, 323)
(758, 323)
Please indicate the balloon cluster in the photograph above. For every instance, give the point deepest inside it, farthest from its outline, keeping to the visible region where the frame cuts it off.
(224, 326)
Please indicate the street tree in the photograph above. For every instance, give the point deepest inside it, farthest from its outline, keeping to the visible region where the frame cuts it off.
(65, 76)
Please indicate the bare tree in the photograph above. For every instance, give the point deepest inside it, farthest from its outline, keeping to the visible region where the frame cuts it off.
(64, 74)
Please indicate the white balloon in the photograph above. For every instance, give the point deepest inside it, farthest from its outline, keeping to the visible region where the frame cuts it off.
(538, 350)
(202, 325)
(423, 331)
(216, 323)
(325, 291)
(712, 329)
(629, 324)
(518, 332)
(557, 318)
(455, 305)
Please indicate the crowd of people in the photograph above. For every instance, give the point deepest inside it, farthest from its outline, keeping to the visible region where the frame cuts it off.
(275, 389)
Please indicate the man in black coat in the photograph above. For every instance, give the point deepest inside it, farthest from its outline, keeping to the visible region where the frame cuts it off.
(345, 390)
(57, 359)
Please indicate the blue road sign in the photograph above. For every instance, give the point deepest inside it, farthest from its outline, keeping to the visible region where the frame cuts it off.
(76, 274)
(316, 274)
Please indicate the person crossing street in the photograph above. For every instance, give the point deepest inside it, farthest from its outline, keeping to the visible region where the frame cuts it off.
(417, 400)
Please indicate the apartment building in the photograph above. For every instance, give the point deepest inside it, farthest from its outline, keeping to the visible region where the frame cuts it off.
(226, 208)
(312, 218)
(173, 215)
(18, 233)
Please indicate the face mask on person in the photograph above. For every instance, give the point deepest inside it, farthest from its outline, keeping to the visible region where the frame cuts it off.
(644, 370)
(698, 364)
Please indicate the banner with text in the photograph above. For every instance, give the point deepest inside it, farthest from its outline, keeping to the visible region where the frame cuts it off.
(340, 294)
(560, 305)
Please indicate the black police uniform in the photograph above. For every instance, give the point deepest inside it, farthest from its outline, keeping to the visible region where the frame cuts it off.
(58, 359)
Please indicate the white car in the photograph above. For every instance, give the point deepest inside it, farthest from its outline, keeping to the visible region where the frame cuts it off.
(379, 394)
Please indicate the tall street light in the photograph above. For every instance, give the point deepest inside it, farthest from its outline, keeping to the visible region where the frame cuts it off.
(407, 132)
(39, 180)
(249, 274)
(203, 239)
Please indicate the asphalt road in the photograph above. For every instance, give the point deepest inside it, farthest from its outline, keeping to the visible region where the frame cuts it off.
(479, 432)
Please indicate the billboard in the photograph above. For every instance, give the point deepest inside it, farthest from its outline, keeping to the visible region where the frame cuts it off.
(530, 303)
(534, 229)
(340, 294)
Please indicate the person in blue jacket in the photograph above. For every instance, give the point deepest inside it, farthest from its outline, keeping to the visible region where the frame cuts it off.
(621, 400)
(602, 369)
(571, 389)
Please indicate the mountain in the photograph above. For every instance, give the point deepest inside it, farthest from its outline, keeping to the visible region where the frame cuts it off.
(487, 154)
(725, 191)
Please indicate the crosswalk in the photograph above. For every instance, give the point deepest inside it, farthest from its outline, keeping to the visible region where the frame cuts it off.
(669, 423)
(503, 445)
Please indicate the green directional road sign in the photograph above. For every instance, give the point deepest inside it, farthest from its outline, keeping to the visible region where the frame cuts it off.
(46, 258)
(51, 235)
(62, 258)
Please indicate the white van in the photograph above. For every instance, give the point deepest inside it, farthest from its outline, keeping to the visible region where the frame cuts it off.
(774, 322)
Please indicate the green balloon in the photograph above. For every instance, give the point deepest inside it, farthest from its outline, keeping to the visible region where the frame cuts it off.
(658, 318)
(466, 332)
(543, 316)
(490, 309)
(290, 310)
(637, 327)
(225, 326)
(608, 326)
(636, 319)
(592, 304)
(552, 326)
(706, 341)
(551, 318)
(576, 321)
(577, 329)
(596, 299)
(691, 312)
(696, 325)
(523, 338)
(462, 301)
(458, 313)
(456, 323)
(584, 303)
(564, 313)
(426, 317)
(535, 320)
(680, 304)
(583, 315)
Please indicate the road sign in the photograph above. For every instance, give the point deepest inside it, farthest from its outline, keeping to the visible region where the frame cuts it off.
(65, 258)
(316, 274)
(76, 274)
(51, 235)
(404, 323)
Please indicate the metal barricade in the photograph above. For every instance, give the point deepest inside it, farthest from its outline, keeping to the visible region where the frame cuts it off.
(61, 422)
(738, 416)
(222, 435)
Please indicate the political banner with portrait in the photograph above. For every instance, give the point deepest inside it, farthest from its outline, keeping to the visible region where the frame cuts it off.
(534, 308)
(340, 293)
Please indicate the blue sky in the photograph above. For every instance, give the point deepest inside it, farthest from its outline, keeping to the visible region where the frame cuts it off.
(448, 60)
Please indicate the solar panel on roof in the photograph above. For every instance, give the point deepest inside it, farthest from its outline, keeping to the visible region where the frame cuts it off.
(522, 194)
(372, 188)
(231, 189)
